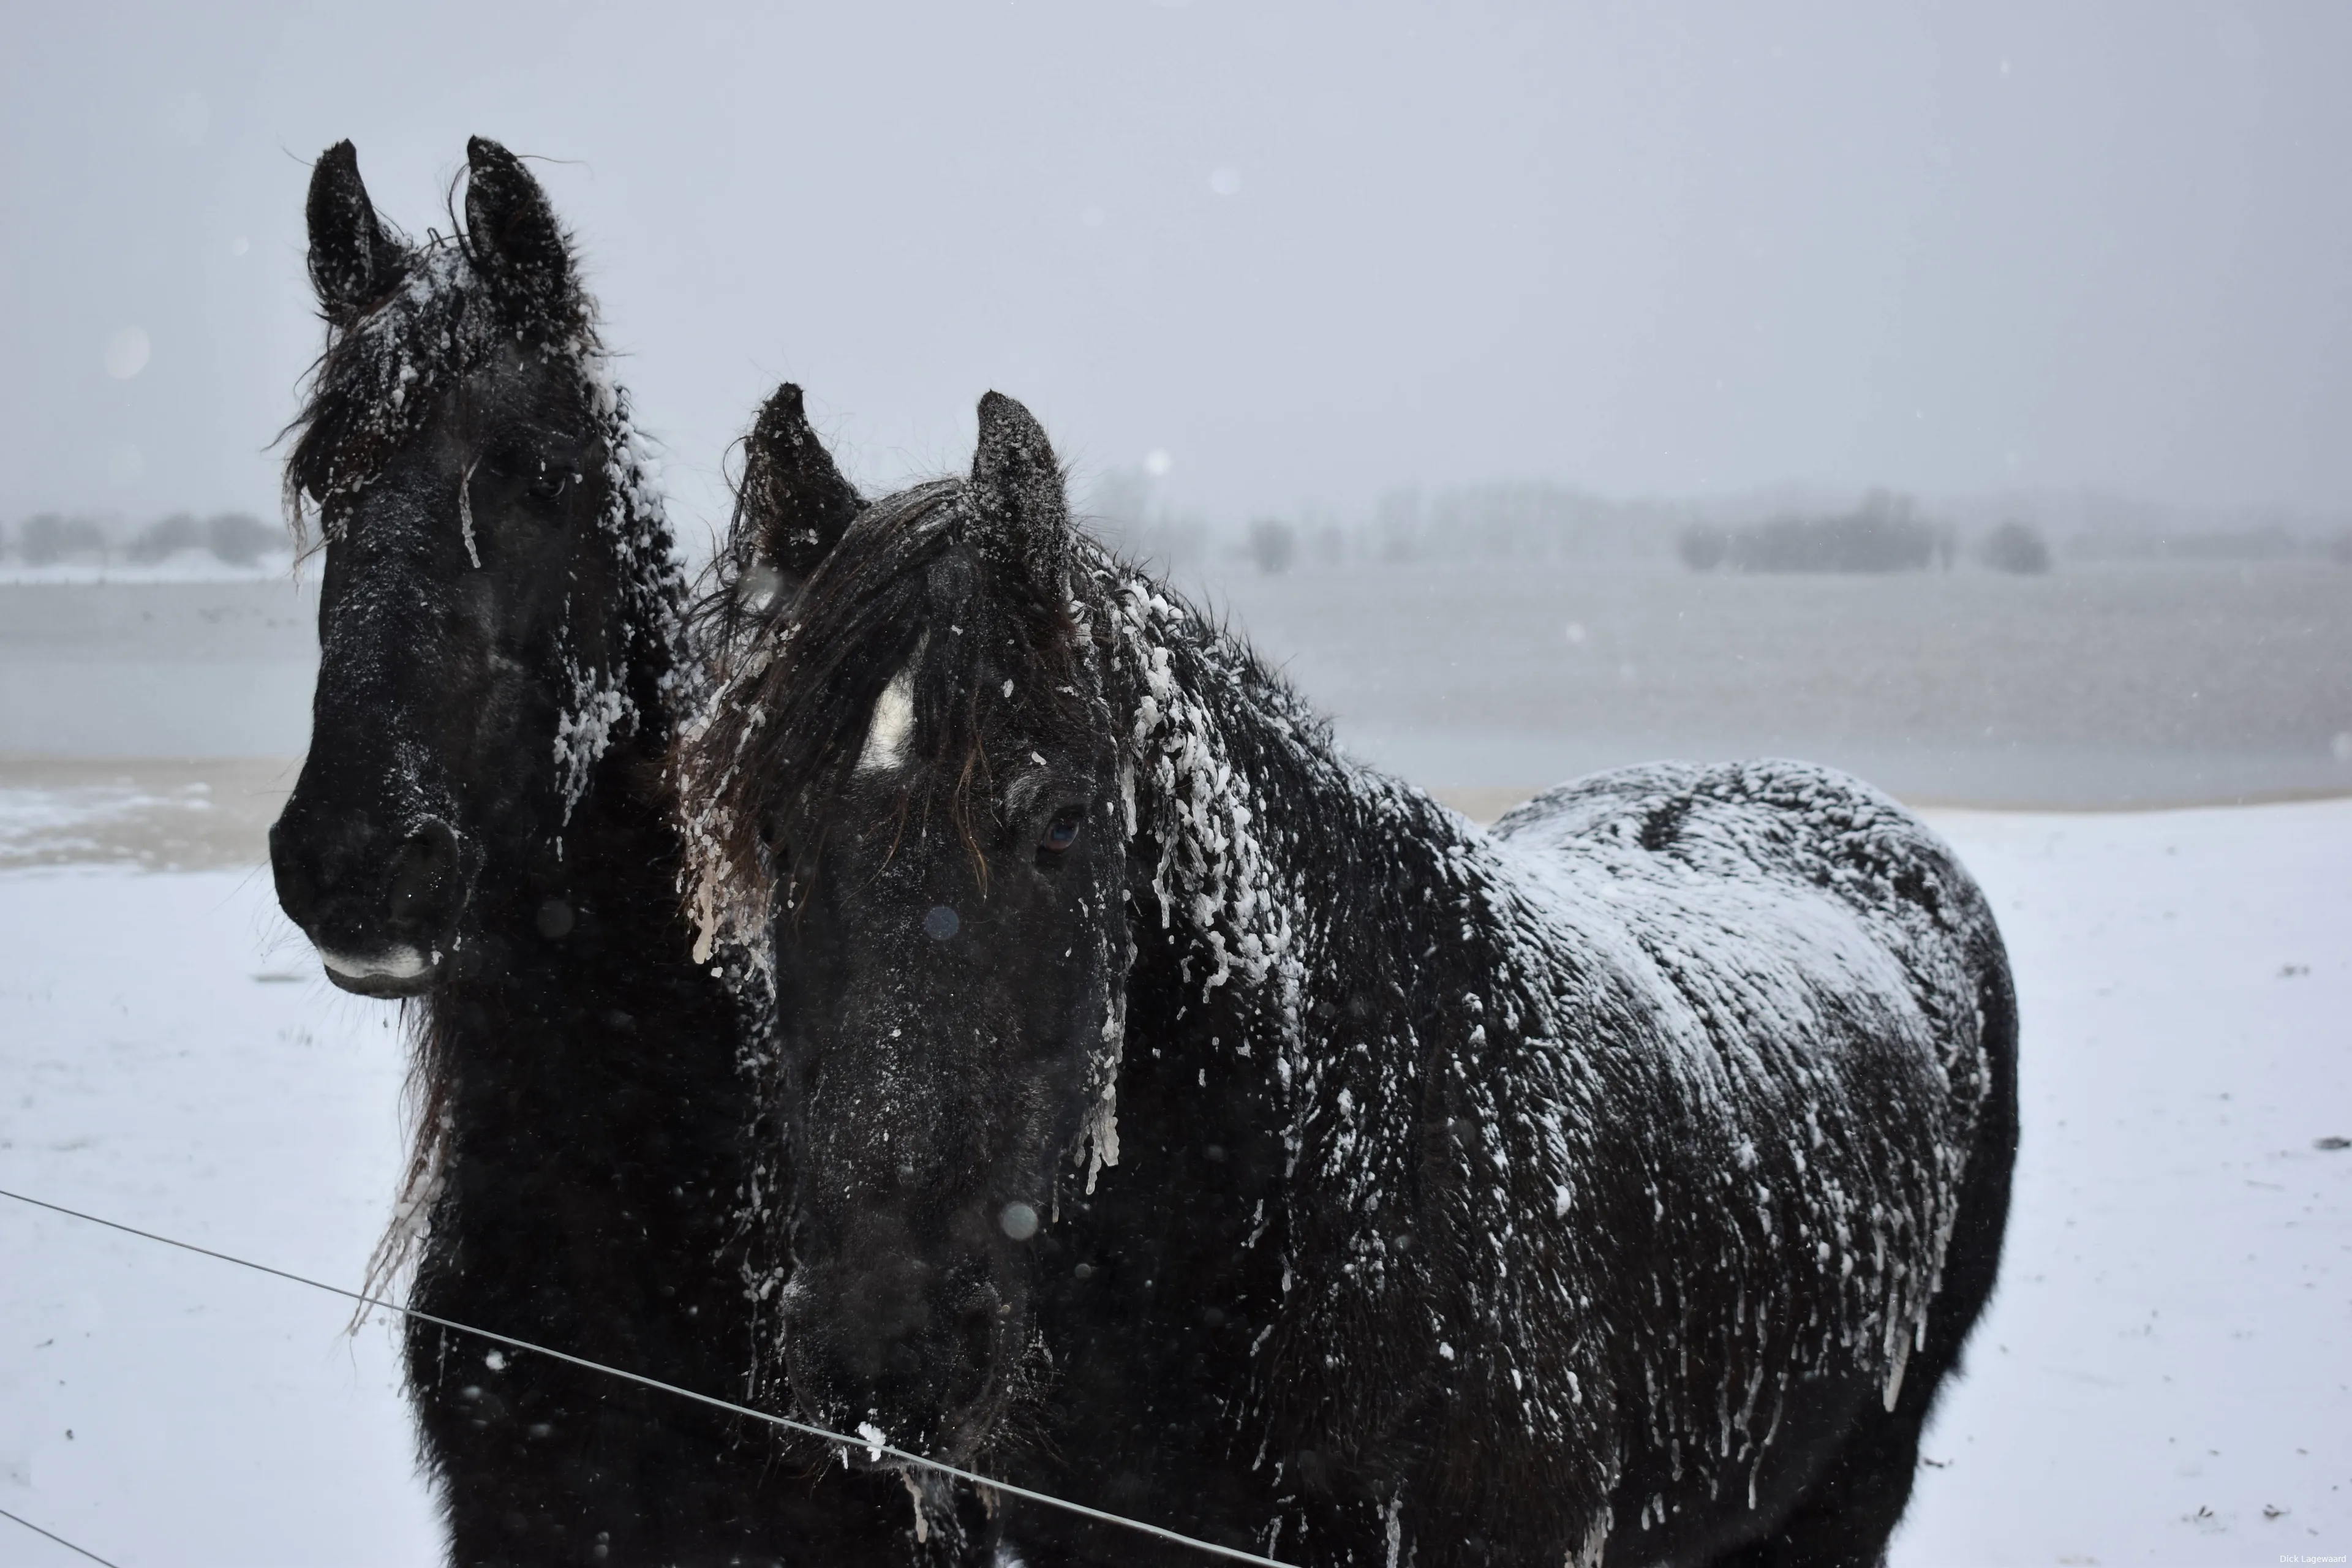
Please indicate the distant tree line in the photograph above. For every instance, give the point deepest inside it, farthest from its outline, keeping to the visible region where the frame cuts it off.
(1884, 533)
(2017, 548)
(2260, 542)
(234, 537)
(2092, 525)
(1522, 521)
(1791, 531)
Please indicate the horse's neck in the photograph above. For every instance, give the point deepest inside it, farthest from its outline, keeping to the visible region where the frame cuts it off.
(1280, 864)
(610, 876)
(592, 1117)
(619, 987)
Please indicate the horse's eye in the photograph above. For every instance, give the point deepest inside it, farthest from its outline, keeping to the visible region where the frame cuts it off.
(548, 483)
(1060, 833)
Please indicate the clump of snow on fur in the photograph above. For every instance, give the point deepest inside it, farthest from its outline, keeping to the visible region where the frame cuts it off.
(585, 731)
(1213, 870)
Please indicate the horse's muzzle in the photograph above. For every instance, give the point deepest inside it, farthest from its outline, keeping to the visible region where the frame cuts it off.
(893, 1341)
(383, 926)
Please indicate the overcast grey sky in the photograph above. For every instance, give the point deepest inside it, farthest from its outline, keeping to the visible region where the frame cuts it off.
(1310, 252)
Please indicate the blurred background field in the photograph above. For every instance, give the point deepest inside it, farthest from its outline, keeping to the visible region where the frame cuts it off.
(2119, 684)
(160, 721)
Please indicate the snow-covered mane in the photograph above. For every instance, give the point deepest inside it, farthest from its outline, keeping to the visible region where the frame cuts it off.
(786, 719)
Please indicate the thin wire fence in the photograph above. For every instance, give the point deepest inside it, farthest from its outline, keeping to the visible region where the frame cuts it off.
(53, 1535)
(875, 1450)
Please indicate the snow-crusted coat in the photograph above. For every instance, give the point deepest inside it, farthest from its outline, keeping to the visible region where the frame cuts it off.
(1595, 1181)
(1616, 1185)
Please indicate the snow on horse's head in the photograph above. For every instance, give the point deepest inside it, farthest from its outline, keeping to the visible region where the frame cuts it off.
(919, 750)
(500, 603)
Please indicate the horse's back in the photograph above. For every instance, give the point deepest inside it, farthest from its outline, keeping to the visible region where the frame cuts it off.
(1785, 929)
(1769, 822)
(1725, 874)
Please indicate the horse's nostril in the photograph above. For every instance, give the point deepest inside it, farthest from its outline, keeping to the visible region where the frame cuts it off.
(424, 876)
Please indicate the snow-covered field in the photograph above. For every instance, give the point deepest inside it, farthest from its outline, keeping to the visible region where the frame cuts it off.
(2165, 1377)
(180, 566)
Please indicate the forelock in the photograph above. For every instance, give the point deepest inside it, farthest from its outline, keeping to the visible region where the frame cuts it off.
(370, 390)
(903, 604)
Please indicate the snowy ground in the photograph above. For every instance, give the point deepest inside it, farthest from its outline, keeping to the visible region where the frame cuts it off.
(180, 566)
(184, 815)
(2165, 1377)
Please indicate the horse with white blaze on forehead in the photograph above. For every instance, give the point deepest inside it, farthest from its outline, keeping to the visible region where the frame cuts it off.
(1195, 1124)
(483, 828)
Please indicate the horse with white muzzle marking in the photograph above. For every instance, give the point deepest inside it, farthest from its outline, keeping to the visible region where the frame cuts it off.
(483, 829)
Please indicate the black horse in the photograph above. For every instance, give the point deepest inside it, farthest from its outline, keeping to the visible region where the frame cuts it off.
(1195, 1124)
(483, 827)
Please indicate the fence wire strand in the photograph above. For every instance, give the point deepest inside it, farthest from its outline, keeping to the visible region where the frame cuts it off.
(53, 1535)
(875, 1450)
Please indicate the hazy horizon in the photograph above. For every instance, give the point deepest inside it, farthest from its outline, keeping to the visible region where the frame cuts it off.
(1308, 255)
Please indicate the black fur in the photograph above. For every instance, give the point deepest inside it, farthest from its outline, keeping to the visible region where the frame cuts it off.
(354, 260)
(483, 828)
(1618, 1186)
(792, 507)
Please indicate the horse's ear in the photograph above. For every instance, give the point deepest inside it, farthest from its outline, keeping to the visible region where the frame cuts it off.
(1016, 486)
(794, 502)
(353, 259)
(511, 230)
